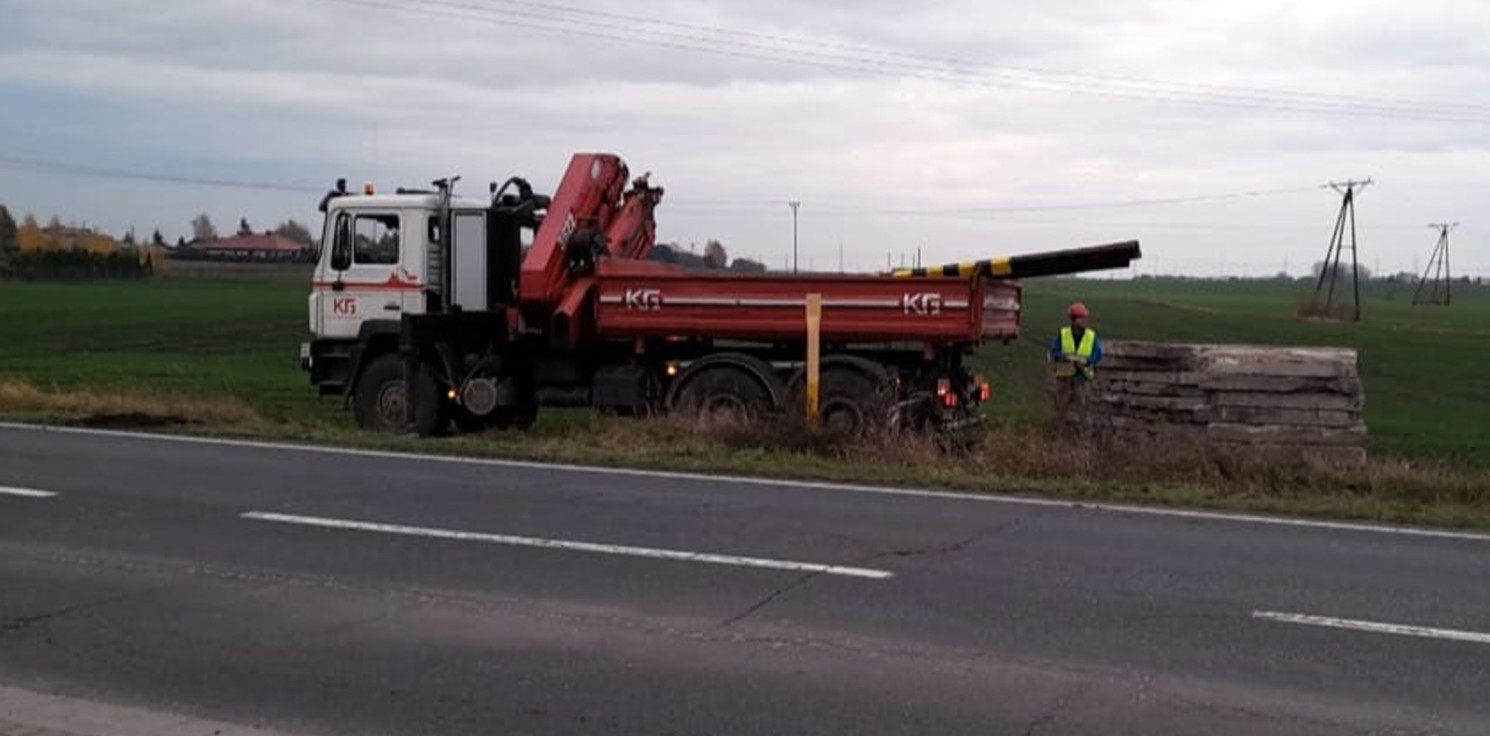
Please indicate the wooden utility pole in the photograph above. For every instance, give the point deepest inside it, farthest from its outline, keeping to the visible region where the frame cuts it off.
(1330, 270)
(1438, 270)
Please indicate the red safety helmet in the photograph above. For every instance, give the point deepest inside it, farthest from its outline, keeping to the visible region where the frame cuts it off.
(1077, 310)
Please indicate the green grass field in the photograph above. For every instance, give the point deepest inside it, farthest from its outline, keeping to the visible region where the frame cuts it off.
(1423, 367)
(209, 338)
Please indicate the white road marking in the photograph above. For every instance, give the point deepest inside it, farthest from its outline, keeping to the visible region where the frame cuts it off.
(608, 549)
(779, 483)
(25, 492)
(1373, 626)
(45, 714)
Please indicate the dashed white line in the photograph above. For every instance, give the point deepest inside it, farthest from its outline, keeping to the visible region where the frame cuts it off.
(25, 492)
(563, 544)
(1375, 627)
(1348, 526)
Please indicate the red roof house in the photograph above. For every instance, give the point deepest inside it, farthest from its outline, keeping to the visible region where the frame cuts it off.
(259, 247)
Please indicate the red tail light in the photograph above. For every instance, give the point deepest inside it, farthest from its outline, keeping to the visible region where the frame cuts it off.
(945, 393)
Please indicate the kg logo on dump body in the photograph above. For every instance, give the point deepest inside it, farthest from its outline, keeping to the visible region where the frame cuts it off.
(925, 304)
(644, 300)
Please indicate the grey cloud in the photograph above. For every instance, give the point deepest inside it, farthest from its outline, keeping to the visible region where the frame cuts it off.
(318, 89)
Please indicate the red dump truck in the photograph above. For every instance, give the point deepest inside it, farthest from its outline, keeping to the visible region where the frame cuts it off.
(431, 311)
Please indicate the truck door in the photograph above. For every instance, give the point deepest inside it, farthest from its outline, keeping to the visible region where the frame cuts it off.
(468, 266)
(363, 280)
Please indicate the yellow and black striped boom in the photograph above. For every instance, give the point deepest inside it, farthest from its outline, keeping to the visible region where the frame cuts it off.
(1049, 263)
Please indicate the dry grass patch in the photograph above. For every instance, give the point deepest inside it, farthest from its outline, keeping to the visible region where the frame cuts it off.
(1045, 460)
(113, 409)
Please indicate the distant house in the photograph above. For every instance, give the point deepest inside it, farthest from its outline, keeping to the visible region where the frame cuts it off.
(265, 247)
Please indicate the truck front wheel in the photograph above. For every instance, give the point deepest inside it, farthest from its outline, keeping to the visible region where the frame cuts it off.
(379, 400)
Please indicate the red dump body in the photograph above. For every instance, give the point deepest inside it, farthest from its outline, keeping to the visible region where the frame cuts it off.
(590, 259)
(640, 299)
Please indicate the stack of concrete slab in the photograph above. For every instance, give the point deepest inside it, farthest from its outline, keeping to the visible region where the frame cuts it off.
(1282, 402)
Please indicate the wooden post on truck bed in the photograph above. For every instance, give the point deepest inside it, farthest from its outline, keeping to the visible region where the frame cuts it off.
(814, 329)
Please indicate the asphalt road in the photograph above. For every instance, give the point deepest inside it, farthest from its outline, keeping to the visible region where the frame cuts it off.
(337, 593)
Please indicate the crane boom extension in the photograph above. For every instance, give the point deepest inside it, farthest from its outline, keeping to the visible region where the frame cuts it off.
(1048, 263)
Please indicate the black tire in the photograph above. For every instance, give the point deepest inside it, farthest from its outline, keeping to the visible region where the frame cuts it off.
(850, 402)
(722, 391)
(379, 400)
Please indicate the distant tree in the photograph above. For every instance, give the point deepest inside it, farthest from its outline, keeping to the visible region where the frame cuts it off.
(665, 252)
(129, 239)
(715, 255)
(157, 239)
(669, 253)
(96, 243)
(243, 228)
(54, 225)
(746, 265)
(8, 243)
(1319, 267)
(181, 241)
(202, 229)
(295, 231)
(30, 238)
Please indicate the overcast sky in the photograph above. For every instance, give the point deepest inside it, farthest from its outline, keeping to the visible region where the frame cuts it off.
(953, 126)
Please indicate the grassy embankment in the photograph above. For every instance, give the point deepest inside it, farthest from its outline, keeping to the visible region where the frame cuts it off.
(219, 356)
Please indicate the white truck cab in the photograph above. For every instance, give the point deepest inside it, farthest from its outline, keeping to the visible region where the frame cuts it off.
(382, 258)
(374, 263)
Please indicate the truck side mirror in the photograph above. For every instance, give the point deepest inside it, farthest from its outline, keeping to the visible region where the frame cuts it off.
(341, 245)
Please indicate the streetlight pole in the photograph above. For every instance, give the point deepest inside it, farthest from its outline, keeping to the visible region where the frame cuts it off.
(794, 205)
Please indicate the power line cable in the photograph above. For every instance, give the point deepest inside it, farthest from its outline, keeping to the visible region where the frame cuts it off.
(687, 209)
(872, 50)
(938, 73)
(836, 208)
(869, 67)
(715, 206)
(60, 167)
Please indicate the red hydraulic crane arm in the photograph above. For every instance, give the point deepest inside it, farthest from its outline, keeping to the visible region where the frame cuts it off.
(592, 217)
(633, 231)
(583, 210)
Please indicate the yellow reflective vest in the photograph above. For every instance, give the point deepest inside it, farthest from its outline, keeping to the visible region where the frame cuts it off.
(1083, 351)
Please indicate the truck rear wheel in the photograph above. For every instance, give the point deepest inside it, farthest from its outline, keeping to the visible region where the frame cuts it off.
(853, 403)
(379, 400)
(723, 392)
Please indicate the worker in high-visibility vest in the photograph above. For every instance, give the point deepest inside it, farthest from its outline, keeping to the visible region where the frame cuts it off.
(1076, 351)
(1074, 355)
